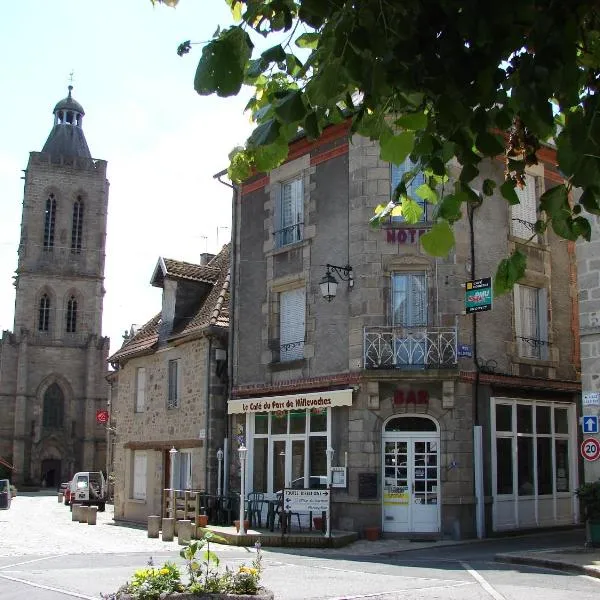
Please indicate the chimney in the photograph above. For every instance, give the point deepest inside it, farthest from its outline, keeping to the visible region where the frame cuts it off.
(205, 258)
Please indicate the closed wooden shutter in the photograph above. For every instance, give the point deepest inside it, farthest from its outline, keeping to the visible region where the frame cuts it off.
(139, 475)
(524, 214)
(292, 306)
(140, 390)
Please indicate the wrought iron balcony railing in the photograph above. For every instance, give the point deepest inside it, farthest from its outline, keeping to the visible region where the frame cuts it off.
(288, 235)
(291, 351)
(533, 348)
(410, 347)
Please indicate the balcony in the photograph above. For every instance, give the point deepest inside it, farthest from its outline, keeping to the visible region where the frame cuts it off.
(395, 347)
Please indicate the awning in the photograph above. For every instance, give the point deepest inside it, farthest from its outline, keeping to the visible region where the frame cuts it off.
(324, 399)
(6, 464)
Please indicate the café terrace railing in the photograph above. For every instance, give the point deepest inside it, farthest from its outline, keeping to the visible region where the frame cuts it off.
(394, 347)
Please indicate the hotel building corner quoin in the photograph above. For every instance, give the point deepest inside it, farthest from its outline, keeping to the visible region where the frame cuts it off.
(449, 424)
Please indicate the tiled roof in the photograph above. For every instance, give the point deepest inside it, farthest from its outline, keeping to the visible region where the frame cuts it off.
(213, 311)
(143, 340)
(178, 269)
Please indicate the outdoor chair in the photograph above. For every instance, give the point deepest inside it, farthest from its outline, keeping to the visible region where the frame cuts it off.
(285, 516)
(255, 502)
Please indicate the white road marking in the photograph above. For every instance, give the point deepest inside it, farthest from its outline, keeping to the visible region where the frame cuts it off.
(482, 582)
(48, 588)
(26, 562)
(403, 591)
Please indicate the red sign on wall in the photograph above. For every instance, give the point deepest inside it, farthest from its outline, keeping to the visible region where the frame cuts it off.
(406, 235)
(101, 416)
(411, 397)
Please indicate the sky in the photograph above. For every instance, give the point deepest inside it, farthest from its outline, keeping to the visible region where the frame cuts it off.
(162, 141)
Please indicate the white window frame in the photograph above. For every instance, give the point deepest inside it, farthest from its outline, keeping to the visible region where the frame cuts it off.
(140, 389)
(173, 383)
(139, 474)
(531, 334)
(289, 214)
(396, 173)
(182, 465)
(524, 215)
(292, 324)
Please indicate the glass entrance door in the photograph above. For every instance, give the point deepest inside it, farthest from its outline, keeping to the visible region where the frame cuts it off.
(411, 484)
(287, 458)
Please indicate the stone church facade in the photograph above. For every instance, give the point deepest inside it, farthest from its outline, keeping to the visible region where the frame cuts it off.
(53, 363)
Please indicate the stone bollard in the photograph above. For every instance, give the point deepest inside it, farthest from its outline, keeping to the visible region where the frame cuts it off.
(153, 526)
(83, 514)
(184, 532)
(60, 497)
(92, 514)
(75, 512)
(168, 529)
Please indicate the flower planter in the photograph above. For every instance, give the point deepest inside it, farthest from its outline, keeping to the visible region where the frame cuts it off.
(202, 520)
(263, 594)
(246, 525)
(318, 523)
(372, 533)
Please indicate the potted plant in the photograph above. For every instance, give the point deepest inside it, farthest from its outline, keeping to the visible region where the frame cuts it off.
(13, 490)
(205, 580)
(589, 496)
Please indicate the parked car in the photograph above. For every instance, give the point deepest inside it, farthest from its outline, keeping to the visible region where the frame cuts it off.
(88, 488)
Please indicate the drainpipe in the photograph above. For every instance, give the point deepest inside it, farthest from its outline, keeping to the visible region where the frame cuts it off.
(207, 419)
(477, 429)
(232, 310)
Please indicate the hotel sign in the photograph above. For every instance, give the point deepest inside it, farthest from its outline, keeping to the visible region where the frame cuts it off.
(325, 399)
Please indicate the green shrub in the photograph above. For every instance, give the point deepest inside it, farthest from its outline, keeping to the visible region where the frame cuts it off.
(589, 495)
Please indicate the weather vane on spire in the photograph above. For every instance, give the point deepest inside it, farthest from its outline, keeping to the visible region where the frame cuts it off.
(71, 78)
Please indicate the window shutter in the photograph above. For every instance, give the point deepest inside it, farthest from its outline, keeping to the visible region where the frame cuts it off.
(526, 211)
(140, 389)
(139, 475)
(292, 324)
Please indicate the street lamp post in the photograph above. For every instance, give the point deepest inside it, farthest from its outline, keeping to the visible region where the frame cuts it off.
(242, 450)
(172, 453)
(330, 452)
(220, 462)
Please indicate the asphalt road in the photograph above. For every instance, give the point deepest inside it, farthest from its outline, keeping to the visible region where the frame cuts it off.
(45, 556)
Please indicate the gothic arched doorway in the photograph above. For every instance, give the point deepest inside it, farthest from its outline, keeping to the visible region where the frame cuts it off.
(50, 475)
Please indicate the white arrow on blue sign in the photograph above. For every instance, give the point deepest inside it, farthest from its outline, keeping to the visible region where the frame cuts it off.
(590, 424)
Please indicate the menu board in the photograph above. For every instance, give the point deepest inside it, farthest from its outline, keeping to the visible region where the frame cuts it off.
(367, 486)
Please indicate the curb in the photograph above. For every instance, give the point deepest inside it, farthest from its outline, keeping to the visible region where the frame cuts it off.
(550, 563)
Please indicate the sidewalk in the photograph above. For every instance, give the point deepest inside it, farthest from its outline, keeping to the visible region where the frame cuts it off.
(584, 561)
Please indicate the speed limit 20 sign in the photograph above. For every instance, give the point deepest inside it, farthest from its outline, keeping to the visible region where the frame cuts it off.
(590, 449)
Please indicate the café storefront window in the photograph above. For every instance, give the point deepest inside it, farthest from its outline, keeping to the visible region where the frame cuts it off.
(289, 449)
(288, 437)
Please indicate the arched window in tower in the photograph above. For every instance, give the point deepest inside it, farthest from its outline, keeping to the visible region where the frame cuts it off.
(77, 230)
(49, 222)
(72, 315)
(54, 400)
(44, 313)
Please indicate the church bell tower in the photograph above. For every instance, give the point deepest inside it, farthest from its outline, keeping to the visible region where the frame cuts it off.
(52, 367)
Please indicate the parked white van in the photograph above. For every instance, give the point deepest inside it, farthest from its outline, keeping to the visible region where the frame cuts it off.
(88, 488)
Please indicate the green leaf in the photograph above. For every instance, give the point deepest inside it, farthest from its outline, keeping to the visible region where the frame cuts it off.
(555, 202)
(489, 144)
(411, 210)
(412, 121)
(439, 240)
(566, 228)
(583, 228)
(264, 134)
(274, 54)
(308, 40)
(311, 125)
(589, 200)
(489, 185)
(292, 64)
(510, 270)
(507, 189)
(468, 173)
(291, 108)
(240, 167)
(271, 156)
(427, 193)
(221, 67)
(255, 68)
(395, 148)
(450, 208)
